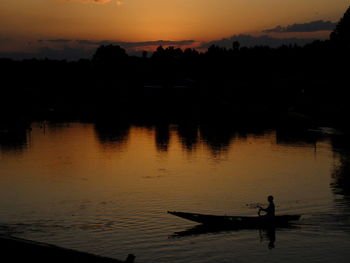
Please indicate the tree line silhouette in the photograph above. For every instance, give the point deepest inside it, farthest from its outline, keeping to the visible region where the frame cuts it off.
(303, 83)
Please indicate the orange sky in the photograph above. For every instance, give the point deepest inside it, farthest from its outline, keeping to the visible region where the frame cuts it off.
(148, 20)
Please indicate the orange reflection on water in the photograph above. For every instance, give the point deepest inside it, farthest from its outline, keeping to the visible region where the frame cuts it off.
(156, 166)
(72, 184)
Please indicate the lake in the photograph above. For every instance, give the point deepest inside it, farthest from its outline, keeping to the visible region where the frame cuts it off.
(105, 188)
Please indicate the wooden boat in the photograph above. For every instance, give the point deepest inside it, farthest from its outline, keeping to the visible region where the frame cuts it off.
(237, 221)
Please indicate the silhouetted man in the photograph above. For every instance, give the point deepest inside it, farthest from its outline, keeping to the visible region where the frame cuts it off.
(270, 210)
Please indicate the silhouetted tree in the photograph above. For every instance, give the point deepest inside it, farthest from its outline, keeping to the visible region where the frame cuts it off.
(190, 52)
(236, 45)
(108, 55)
(341, 34)
(144, 54)
(168, 53)
(218, 82)
(216, 51)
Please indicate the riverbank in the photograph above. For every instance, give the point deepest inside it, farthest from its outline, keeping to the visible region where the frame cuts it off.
(21, 250)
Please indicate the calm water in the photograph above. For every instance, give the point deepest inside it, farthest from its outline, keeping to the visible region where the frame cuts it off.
(105, 189)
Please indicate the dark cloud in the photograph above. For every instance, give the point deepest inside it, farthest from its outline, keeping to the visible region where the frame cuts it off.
(251, 41)
(75, 49)
(67, 52)
(118, 2)
(95, 43)
(313, 26)
(55, 41)
(72, 49)
(4, 39)
(126, 45)
(88, 1)
(139, 44)
(59, 40)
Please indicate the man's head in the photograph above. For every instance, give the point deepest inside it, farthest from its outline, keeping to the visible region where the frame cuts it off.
(270, 198)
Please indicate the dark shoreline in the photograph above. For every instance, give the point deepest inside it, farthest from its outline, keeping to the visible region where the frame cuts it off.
(21, 250)
(293, 85)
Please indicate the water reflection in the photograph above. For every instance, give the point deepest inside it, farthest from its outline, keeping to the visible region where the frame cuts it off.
(217, 136)
(341, 172)
(162, 136)
(297, 137)
(112, 135)
(15, 141)
(270, 235)
(264, 234)
(188, 135)
(220, 136)
(64, 168)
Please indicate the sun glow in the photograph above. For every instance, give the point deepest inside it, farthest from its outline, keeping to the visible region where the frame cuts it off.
(150, 20)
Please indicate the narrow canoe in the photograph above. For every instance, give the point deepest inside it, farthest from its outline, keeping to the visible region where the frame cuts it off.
(237, 221)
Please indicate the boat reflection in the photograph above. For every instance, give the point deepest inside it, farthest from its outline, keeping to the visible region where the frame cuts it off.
(264, 233)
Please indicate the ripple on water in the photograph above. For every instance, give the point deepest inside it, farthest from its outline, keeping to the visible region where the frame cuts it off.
(69, 189)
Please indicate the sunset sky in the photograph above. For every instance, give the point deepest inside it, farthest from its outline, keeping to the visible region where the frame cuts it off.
(26, 25)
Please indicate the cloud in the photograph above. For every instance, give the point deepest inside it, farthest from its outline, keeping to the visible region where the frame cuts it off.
(4, 39)
(313, 26)
(118, 2)
(59, 41)
(73, 49)
(126, 45)
(251, 41)
(138, 44)
(67, 52)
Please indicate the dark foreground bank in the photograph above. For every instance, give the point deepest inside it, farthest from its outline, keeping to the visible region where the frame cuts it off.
(21, 250)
